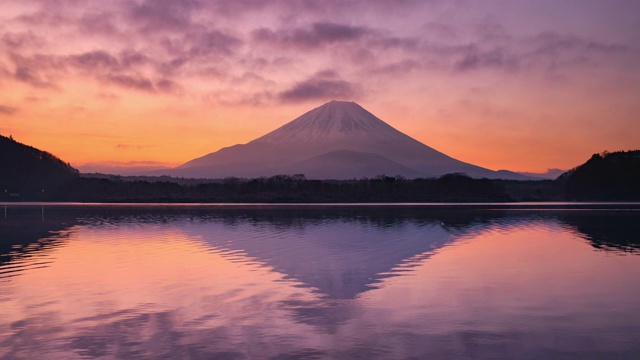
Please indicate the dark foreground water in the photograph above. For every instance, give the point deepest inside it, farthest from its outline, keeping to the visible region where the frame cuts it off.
(371, 282)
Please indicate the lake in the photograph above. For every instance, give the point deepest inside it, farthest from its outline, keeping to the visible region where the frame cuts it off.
(533, 281)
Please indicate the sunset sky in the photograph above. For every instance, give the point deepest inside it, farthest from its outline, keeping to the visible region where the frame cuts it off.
(519, 85)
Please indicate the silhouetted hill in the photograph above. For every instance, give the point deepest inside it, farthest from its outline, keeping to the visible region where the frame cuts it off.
(605, 177)
(27, 171)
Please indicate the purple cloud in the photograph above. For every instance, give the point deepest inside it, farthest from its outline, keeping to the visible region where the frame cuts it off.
(38, 70)
(317, 34)
(211, 42)
(552, 43)
(130, 58)
(135, 82)
(8, 110)
(160, 15)
(496, 58)
(169, 86)
(14, 41)
(324, 85)
(98, 60)
(98, 23)
(491, 30)
(153, 45)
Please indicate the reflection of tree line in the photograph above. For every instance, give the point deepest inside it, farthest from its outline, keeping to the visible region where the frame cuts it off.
(607, 230)
(24, 229)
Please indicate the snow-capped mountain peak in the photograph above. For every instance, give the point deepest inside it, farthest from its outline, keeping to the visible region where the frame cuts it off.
(331, 122)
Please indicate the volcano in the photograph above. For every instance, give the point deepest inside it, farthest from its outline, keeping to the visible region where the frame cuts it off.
(338, 140)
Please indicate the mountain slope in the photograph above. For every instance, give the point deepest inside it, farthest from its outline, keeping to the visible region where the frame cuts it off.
(27, 170)
(334, 126)
(346, 164)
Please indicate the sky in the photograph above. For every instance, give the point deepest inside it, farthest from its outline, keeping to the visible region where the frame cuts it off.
(518, 85)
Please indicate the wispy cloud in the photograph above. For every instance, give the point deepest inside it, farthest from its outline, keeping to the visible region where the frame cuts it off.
(163, 46)
(324, 85)
(8, 110)
(315, 35)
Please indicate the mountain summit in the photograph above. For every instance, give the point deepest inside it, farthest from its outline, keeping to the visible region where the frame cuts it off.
(338, 140)
(334, 121)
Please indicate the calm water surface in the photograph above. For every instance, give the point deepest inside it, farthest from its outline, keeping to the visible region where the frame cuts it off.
(319, 282)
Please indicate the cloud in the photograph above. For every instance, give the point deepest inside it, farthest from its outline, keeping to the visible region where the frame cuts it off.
(159, 15)
(135, 82)
(154, 46)
(497, 58)
(315, 35)
(123, 167)
(401, 67)
(211, 42)
(21, 40)
(98, 60)
(38, 70)
(554, 44)
(136, 147)
(44, 18)
(441, 30)
(491, 30)
(31, 76)
(169, 86)
(98, 23)
(8, 110)
(126, 163)
(128, 69)
(130, 58)
(323, 85)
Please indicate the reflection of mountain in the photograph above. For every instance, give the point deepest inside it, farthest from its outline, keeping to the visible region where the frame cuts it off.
(341, 251)
(339, 258)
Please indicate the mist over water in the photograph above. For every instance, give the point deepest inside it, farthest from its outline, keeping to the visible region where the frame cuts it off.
(319, 282)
